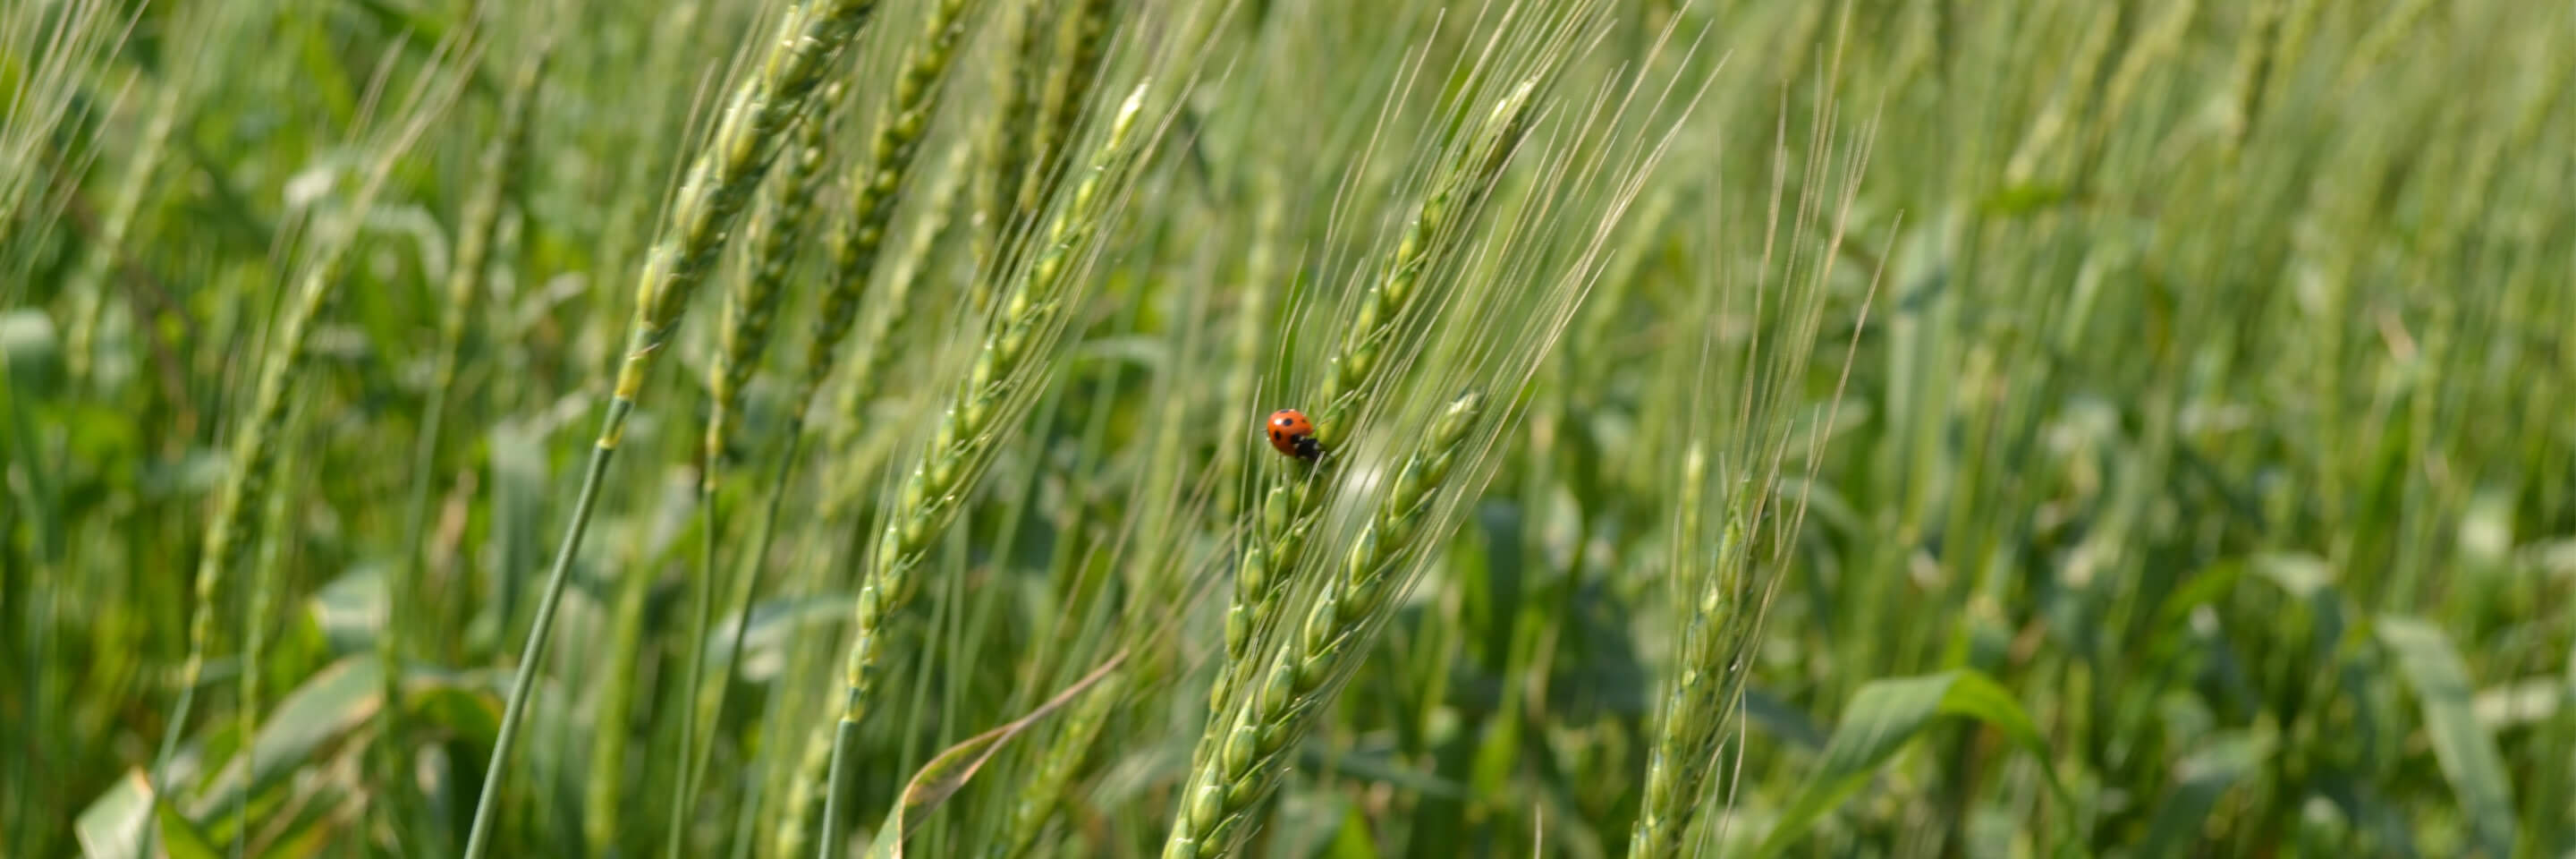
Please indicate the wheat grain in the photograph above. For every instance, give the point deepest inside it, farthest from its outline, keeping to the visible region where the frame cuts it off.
(970, 426)
(1239, 762)
(720, 180)
(874, 186)
(1289, 506)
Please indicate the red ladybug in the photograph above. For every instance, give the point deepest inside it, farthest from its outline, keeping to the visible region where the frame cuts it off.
(1293, 434)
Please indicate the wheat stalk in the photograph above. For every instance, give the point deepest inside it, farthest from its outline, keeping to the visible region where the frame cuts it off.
(749, 311)
(478, 221)
(875, 185)
(720, 181)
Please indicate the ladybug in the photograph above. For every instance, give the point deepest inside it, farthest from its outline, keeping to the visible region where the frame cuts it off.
(1293, 434)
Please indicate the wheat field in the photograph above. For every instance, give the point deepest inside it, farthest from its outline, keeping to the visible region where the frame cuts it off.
(1328, 429)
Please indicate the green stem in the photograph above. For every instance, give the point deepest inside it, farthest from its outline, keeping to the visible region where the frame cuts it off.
(844, 736)
(543, 630)
(745, 587)
(389, 753)
(701, 591)
(161, 767)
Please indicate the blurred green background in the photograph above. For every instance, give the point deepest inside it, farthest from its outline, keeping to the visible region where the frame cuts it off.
(2136, 428)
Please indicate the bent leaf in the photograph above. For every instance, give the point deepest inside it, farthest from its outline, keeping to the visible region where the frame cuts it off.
(1881, 718)
(2205, 777)
(112, 826)
(108, 828)
(2461, 745)
(945, 774)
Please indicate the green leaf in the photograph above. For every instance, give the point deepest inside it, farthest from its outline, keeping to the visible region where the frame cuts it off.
(1882, 717)
(2465, 750)
(309, 724)
(306, 723)
(1781, 721)
(108, 828)
(350, 609)
(2223, 759)
(181, 840)
(112, 827)
(1353, 841)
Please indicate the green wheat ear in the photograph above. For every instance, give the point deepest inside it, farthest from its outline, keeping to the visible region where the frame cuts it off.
(1064, 758)
(1437, 227)
(1013, 355)
(1005, 148)
(1290, 505)
(721, 179)
(876, 185)
(1705, 685)
(254, 453)
(751, 307)
(748, 138)
(1240, 759)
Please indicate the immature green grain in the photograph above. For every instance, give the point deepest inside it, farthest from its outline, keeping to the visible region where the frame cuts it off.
(720, 181)
(904, 273)
(254, 456)
(275, 523)
(722, 178)
(2148, 52)
(256, 445)
(804, 795)
(1288, 508)
(778, 233)
(1000, 208)
(1064, 758)
(1068, 90)
(88, 286)
(1252, 325)
(1437, 226)
(2255, 54)
(2395, 26)
(999, 213)
(1012, 356)
(1707, 678)
(2091, 60)
(750, 307)
(1240, 759)
(847, 473)
(50, 52)
(874, 188)
(502, 164)
(2297, 25)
